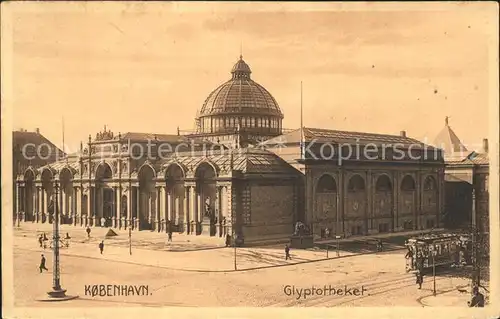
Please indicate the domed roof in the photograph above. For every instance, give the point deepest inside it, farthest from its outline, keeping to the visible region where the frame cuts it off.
(240, 95)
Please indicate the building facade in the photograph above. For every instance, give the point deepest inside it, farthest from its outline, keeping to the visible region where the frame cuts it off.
(30, 150)
(241, 173)
(466, 182)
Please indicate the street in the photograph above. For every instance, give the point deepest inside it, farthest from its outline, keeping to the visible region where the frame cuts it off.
(206, 277)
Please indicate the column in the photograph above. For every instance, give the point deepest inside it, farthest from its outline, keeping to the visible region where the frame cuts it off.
(118, 213)
(78, 206)
(149, 198)
(218, 208)
(200, 205)
(18, 202)
(130, 206)
(186, 204)
(89, 206)
(45, 202)
(193, 211)
(39, 207)
(169, 207)
(34, 201)
(137, 207)
(162, 202)
(64, 210)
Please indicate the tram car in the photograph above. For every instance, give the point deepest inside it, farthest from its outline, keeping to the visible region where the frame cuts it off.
(437, 250)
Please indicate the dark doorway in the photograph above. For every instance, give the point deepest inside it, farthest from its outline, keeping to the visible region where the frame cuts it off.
(458, 205)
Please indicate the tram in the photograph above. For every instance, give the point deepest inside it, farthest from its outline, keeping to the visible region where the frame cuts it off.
(437, 250)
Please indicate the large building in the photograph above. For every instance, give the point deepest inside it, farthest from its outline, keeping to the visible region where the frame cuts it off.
(241, 172)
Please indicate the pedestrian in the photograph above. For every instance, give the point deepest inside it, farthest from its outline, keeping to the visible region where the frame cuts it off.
(420, 279)
(477, 298)
(101, 246)
(88, 232)
(40, 240)
(287, 253)
(170, 236)
(228, 240)
(380, 245)
(42, 264)
(67, 236)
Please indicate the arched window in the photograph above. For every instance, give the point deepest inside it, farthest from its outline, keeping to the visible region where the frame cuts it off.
(383, 184)
(326, 184)
(408, 183)
(253, 121)
(356, 184)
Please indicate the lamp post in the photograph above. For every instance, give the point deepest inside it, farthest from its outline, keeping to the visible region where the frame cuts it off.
(57, 293)
(434, 252)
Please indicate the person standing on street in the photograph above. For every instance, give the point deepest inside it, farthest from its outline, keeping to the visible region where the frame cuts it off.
(420, 279)
(170, 236)
(477, 298)
(287, 253)
(88, 232)
(101, 246)
(40, 240)
(42, 264)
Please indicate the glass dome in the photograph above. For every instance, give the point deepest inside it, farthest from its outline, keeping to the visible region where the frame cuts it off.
(240, 104)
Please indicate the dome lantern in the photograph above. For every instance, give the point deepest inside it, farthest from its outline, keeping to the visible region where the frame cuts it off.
(240, 108)
(241, 70)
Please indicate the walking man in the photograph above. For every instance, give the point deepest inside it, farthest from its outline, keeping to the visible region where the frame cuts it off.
(420, 279)
(88, 232)
(170, 236)
(287, 253)
(40, 240)
(477, 298)
(42, 264)
(101, 246)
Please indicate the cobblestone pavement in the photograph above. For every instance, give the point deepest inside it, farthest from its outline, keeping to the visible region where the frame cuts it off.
(187, 278)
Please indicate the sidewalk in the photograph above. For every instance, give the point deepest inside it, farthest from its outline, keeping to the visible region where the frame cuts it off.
(450, 298)
(185, 253)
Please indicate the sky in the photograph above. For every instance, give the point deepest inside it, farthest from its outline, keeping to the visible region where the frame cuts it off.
(148, 67)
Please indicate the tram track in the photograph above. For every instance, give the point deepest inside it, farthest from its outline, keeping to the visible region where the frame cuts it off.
(373, 288)
(365, 282)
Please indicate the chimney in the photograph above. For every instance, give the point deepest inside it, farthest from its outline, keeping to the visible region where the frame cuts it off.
(402, 133)
(37, 130)
(485, 145)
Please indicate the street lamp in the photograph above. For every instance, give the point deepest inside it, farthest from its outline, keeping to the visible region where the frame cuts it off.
(57, 293)
(433, 252)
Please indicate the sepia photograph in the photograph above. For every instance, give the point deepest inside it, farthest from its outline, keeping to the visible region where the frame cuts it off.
(253, 155)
